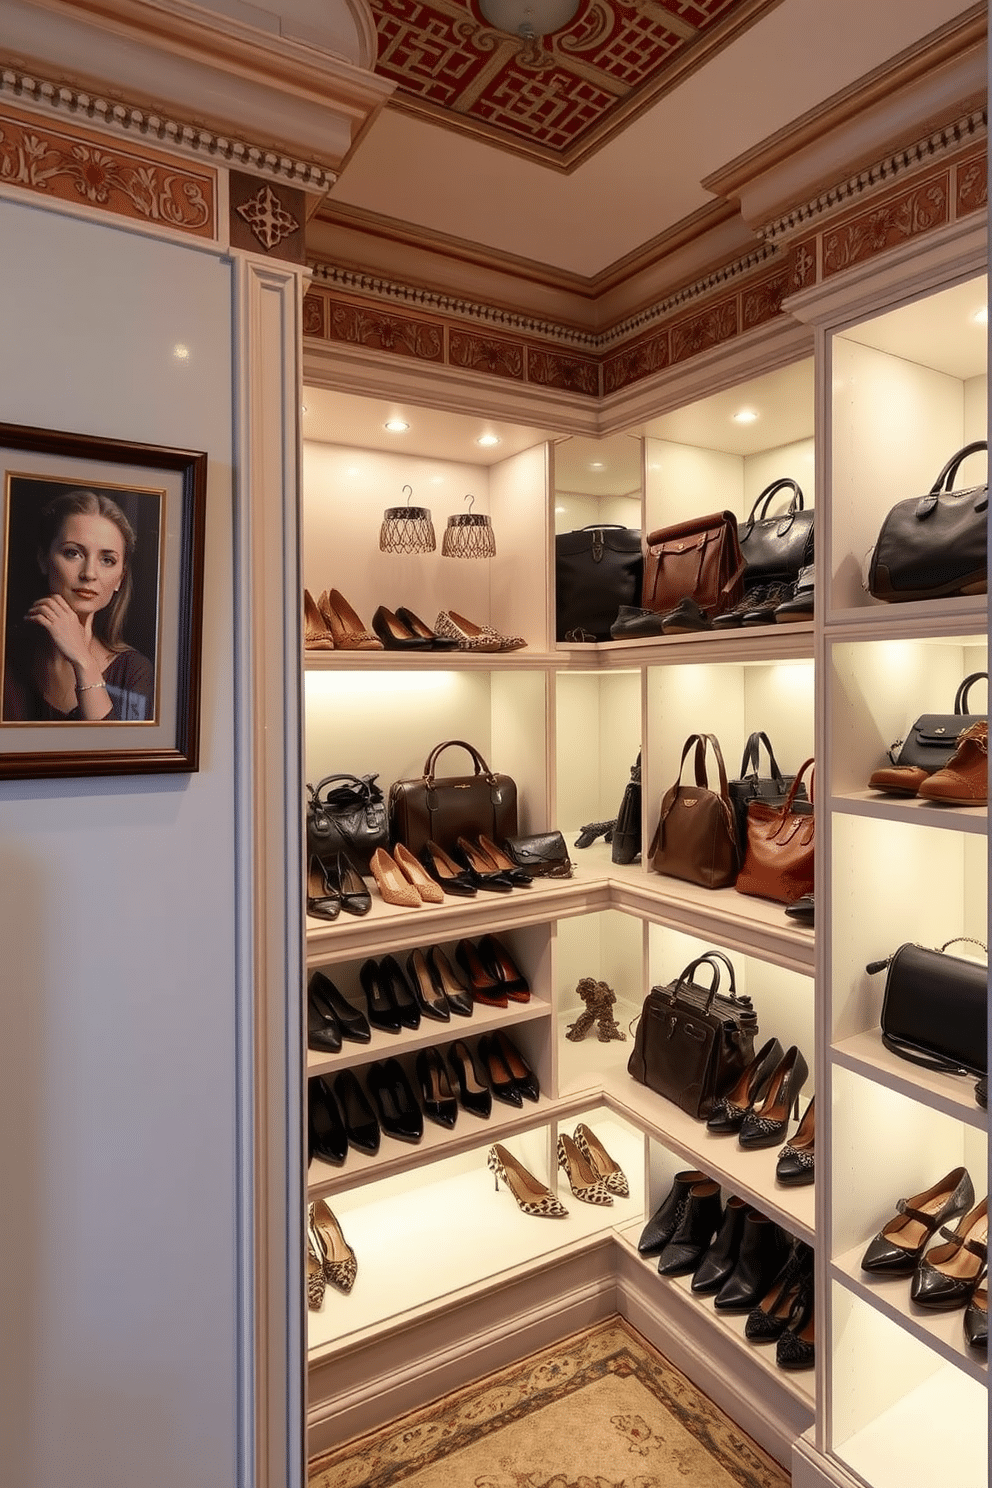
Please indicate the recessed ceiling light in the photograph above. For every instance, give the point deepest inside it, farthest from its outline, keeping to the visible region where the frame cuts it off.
(181, 353)
(488, 440)
(597, 465)
(746, 416)
(396, 426)
(981, 317)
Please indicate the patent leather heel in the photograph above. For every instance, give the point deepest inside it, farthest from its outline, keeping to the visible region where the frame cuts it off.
(729, 1112)
(431, 1001)
(435, 1088)
(452, 877)
(524, 1078)
(947, 1275)
(448, 983)
(768, 1122)
(898, 1246)
(484, 984)
(473, 1092)
(503, 969)
(501, 1082)
(481, 870)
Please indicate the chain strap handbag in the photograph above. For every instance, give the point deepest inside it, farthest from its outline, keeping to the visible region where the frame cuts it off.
(776, 548)
(934, 546)
(695, 838)
(693, 1043)
(346, 813)
(935, 1007)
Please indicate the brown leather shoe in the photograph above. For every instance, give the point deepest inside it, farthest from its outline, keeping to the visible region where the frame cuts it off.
(898, 780)
(964, 780)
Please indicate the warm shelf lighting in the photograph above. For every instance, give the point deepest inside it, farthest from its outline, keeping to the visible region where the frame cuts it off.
(597, 465)
(746, 416)
(396, 426)
(981, 317)
(488, 440)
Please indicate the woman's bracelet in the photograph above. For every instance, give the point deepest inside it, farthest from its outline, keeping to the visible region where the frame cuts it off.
(89, 686)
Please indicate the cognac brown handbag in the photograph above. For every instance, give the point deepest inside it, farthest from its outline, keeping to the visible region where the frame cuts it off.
(700, 559)
(443, 808)
(695, 838)
(778, 859)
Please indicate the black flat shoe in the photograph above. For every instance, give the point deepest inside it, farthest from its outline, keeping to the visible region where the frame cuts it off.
(767, 1123)
(503, 969)
(435, 1088)
(453, 877)
(664, 1221)
(395, 1103)
(480, 870)
(360, 1124)
(351, 886)
(686, 617)
(699, 1223)
(326, 1136)
(430, 999)
(947, 1276)
(729, 1112)
(473, 1092)
(897, 1247)
(634, 624)
(501, 1082)
(764, 1249)
(524, 1079)
(323, 901)
(976, 1318)
(383, 1012)
(720, 1258)
(324, 997)
(447, 982)
(802, 910)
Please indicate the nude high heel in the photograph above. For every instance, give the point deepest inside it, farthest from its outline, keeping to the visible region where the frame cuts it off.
(393, 886)
(347, 630)
(428, 889)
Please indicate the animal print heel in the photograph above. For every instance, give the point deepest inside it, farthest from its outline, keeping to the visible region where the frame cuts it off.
(585, 1185)
(602, 1164)
(532, 1197)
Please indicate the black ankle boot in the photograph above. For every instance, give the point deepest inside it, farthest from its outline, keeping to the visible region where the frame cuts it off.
(665, 1220)
(764, 1251)
(721, 1257)
(698, 1225)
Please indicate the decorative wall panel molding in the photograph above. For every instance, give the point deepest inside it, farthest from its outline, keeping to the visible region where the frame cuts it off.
(72, 164)
(267, 218)
(190, 138)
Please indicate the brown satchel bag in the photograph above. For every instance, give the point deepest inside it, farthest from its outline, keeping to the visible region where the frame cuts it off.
(700, 559)
(695, 838)
(778, 862)
(442, 810)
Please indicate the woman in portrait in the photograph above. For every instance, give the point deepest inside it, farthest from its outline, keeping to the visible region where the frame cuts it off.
(69, 661)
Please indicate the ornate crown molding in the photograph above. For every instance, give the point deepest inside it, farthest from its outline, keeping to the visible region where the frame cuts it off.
(129, 120)
(927, 151)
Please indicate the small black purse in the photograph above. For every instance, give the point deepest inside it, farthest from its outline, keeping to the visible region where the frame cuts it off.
(625, 842)
(935, 1008)
(346, 813)
(933, 738)
(542, 854)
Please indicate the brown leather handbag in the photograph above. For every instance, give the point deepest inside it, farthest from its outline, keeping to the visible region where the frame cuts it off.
(442, 809)
(700, 559)
(778, 860)
(695, 838)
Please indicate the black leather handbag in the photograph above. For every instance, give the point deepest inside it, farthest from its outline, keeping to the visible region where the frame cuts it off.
(933, 738)
(597, 569)
(776, 547)
(625, 842)
(693, 1043)
(442, 808)
(752, 786)
(346, 813)
(934, 546)
(935, 1007)
(544, 854)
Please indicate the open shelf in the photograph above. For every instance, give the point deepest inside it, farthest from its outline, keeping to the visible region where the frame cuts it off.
(865, 1054)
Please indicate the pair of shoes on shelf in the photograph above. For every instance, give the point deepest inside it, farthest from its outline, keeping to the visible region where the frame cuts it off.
(633, 623)
(330, 624)
(758, 1106)
(339, 1116)
(732, 1251)
(588, 834)
(331, 1017)
(496, 1068)
(489, 867)
(785, 1315)
(402, 630)
(402, 880)
(335, 884)
(532, 1196)
(759, 606)
(468, 636)
(948, 1275)
(594, 1176)
(963, 781)
(336, 1261)
(393, 1001)
(493, 977)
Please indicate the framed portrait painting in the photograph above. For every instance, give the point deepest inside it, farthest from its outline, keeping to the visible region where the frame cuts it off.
(101, 604)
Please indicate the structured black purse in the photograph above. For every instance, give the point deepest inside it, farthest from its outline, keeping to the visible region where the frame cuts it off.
(625, 843)
(934, 546)
(935, 1007)
(543, 854)
(346, 813)
(693, 1043)
(776, 547)
(597, 569)
(752, 786)
(933, 738)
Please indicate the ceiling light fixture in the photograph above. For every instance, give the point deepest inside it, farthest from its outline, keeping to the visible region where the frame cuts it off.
(746, 416)
(597, 465)
(488, 440)
(396, 426)
(529, 19)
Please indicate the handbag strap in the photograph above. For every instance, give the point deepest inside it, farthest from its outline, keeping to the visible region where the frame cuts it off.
(712, 960)
(481, 768)
(363, 787)
(795, 505)
(751, 758)
(967, 939)
(945, 480)
(702, 780)
(961, 698)
(794, 787)
(930, 1062)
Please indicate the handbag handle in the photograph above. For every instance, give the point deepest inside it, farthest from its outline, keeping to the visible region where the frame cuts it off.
(481, 768)
(364, 787)
(961, 697)
(710, 958)
(795, 505)
(945, 481)
(793, 788)
(750, 757)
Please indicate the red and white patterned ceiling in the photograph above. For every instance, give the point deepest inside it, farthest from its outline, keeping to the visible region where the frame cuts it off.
(558, 96)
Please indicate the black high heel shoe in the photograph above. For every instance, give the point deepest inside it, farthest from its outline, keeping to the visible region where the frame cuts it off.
(501, 1082)
(360, 1125)
(480, 868)
(767, 1123)
(400, 992)
(473, 1092)
(898, 1246)
(795, 1165)
(417, 627)
(326, 1136)
(976, 1317)
(524, 1078)
(348, 884)
(457, 995)
(452, 876)
(764, 1250)
(947, 1275)
(518, 876)
(323, 901)
(395, 634)
(395, 1103)
(325, 1002)
(769, 1320)
(485, 985)
(435, 1088)
(430, 999)
(503, 969)
(729, 1112)
(383, 1012)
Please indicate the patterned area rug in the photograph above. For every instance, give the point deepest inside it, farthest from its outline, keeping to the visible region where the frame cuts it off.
(600, 1410)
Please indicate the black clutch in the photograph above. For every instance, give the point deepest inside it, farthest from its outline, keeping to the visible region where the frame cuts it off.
(935, 1008)
(543, 854)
